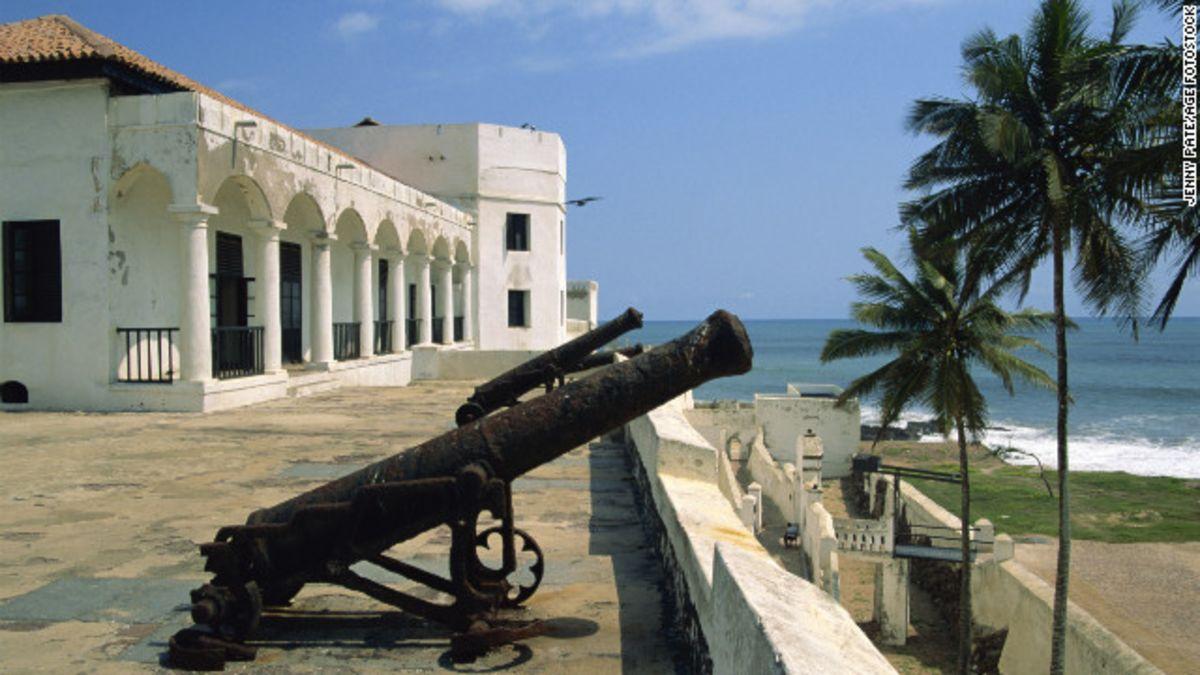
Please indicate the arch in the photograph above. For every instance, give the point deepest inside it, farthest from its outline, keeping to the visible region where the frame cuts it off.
(247, 192)
(303, 214)
(417, 242)
(142, 170)
(14, 392)
(441, 248)
(350, 227)
(387, 236)
(462, 254)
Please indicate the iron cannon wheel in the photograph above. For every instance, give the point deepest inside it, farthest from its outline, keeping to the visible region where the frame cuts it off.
(538, 568)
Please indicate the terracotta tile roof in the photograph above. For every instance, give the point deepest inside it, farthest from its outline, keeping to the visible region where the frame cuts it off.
(58, 37)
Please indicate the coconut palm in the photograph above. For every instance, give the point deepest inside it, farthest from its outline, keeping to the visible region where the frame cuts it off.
(1056, 153)
(938, 325)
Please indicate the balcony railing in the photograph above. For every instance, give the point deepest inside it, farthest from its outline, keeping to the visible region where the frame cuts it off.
(237, 351)
(458, 329)
(383, 337)
(437, 330)
(345, 341)
(149, 355)
(411, 326)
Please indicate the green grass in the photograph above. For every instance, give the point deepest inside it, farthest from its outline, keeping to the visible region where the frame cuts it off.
(1107, 506)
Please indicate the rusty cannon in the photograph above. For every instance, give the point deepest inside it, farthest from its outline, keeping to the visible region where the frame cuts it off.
(605, 358)
(449, 480)
(546, 369)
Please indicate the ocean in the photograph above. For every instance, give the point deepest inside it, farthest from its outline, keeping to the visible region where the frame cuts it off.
(1137, 404)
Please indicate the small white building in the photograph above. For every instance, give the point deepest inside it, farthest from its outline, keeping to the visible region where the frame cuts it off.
(168, 248)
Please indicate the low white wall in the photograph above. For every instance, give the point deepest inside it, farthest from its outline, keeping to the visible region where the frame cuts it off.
(755, 616)
(819, 540)
(432, 363)
(1008, 595)
(386, 370)
(720, 421)
(1005, 594)
(780, 484)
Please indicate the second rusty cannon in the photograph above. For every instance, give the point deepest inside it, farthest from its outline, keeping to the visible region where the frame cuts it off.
(546, 369)
(450, 480)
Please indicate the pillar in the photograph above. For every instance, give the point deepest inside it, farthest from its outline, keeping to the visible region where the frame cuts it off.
(468, 301)
(195, 329)
(268, 293)
(446, 282)
(397, 297)
(364, 310)
(322, 301)
(424, 301)
(891, 600)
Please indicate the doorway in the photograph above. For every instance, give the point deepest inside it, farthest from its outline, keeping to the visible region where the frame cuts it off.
(290, 313)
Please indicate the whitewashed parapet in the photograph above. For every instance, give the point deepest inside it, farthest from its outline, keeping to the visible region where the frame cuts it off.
(780, 484)
(755, 616)
(1006, 595)
(819, 539)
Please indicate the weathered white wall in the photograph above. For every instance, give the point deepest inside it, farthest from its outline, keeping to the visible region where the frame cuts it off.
(490, 171)
(780, 482)
(755, 616)
(54, 164)
(720, 422)
(583, 302)
(785, 418)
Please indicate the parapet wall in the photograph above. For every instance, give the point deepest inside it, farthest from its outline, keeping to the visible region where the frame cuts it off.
(1005, 595)
(753, 615)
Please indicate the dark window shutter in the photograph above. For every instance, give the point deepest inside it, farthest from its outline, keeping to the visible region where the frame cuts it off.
(229, 255)
(32, 271)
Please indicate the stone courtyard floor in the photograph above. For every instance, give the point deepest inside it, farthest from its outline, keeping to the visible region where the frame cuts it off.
(100, 515)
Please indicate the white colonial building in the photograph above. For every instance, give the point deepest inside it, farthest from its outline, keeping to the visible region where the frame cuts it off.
(165, 247)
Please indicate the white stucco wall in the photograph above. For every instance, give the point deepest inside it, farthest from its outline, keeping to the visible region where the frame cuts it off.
(488, 170)
(785, 418)
(54, 164)
(756, 617)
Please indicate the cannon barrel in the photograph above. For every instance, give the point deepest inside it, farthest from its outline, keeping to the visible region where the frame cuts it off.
(506, 388)
(606, 358)
(511, 442)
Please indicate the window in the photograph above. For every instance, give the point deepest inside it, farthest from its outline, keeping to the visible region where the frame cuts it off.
(32, 272)
(518, 309)
(516, 232)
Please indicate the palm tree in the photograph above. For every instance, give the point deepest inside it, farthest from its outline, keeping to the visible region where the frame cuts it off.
(938, 325)
(1055, 151)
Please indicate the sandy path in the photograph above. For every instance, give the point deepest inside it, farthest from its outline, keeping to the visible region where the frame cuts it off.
(1147, 594)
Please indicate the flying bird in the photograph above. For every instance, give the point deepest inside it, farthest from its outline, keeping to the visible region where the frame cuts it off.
(584, 201)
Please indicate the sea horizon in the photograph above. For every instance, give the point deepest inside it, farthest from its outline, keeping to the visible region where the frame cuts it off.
(1137, 403)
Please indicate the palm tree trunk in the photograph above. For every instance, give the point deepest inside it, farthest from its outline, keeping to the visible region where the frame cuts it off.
(964, 595)
(1063, 570)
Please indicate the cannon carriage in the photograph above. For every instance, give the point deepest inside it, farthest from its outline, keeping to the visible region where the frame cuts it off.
(450, 480)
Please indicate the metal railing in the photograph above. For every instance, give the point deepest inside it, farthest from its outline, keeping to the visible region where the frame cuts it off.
(237, 351)
(149, 355)
(458, 329)
(383, 337)
(345, 341)
(411, 326)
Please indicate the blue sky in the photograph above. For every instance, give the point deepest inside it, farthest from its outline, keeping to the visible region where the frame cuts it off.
(745, 149)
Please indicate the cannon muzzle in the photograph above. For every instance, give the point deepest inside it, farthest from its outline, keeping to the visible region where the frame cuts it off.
(545, 369)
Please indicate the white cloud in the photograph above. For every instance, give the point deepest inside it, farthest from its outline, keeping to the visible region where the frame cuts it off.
(353, 24)
(669, 25)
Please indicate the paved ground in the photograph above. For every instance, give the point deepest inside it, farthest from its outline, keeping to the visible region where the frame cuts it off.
(1145, 593)
(100, 515)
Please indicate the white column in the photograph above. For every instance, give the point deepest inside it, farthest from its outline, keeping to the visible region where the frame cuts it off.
(268, 293)
(364, 312)
(397, 296)
(446, 281)
(195, 339)
(424, 301)
(468, 301)
(322, 301)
